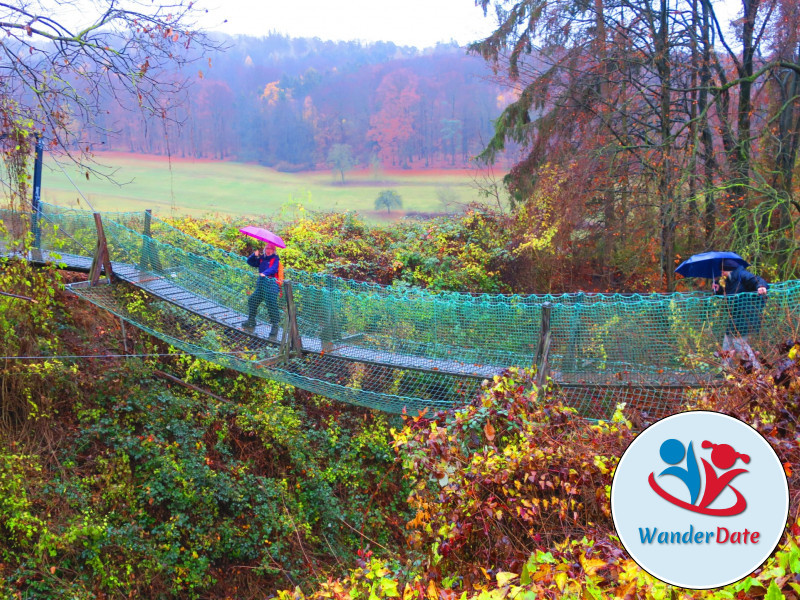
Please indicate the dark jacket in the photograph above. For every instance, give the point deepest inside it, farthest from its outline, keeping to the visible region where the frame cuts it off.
(266, 265)
(744, 310)
(741, 280)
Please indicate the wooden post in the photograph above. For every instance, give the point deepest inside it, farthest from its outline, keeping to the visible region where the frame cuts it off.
(101, 257)
(124, 335)
(543, 349)
(329, 331)
(149, 253)
(148, 215)
(295, 342)
(284, 351)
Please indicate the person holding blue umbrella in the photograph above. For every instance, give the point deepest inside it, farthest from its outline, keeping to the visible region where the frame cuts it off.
(730, 278)
(744, 310)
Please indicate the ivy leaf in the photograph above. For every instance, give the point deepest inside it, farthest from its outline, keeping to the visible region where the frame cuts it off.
(545, 557)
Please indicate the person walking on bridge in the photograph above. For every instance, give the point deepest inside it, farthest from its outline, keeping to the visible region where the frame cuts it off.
(744, 310)
(268, 264)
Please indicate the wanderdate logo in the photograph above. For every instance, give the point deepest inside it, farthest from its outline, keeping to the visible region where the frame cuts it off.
(723, 457)
(699, 499)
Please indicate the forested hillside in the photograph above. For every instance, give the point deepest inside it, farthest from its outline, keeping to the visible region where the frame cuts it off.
(304, 103)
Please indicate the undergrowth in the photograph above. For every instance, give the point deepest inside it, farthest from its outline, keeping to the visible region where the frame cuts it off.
(116, 483)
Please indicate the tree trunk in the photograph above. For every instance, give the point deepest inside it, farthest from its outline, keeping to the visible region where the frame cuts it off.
(709, 164)
(667, 206)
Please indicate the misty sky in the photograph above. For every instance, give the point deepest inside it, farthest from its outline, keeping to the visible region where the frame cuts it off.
(418, 23)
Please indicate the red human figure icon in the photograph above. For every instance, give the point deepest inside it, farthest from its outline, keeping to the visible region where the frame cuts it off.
(724, 457)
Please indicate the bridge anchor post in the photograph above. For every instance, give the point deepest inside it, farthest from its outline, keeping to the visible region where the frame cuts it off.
(101, 258)
(543, 349)
(295, 341)
(149, 252)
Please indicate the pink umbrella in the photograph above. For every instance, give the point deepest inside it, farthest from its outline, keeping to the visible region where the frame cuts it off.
(265, 235)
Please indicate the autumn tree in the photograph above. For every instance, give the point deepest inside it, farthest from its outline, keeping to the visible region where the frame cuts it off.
(393, 125)
(649, 109)
(388, 199)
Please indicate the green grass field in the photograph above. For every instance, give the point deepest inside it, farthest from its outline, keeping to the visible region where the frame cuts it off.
(211, 187)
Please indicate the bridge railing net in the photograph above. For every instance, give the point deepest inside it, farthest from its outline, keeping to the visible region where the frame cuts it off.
(164, 232)
(382, 387)
(399, 328)
(664, 339)
(602, 345)
(62, 231)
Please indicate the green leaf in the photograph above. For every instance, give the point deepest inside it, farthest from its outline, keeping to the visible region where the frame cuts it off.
(389, 588)
(525, 576)
(794, 559)
(774, 593)
(545, 557)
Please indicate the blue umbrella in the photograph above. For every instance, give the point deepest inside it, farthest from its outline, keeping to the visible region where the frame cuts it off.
(707, 264)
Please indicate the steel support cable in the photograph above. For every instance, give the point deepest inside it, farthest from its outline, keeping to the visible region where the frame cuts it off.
(135, 355)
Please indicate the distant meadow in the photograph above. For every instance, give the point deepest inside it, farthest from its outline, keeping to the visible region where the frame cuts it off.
(205, 187)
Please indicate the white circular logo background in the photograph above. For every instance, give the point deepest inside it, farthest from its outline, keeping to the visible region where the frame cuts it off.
(699, 500)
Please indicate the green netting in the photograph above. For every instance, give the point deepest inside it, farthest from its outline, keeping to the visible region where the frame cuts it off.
(420, 349)
(161, 231)
(375, 386)
(62, 232)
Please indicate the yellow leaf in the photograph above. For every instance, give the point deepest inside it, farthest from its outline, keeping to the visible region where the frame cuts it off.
(504, 577)
(561, 580)
(600, 463)
(591, 565)
(433, 593)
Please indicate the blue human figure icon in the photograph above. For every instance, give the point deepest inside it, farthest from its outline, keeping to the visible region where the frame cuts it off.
(672, 452)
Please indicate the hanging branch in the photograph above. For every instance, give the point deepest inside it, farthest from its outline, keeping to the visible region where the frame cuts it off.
(56, 77)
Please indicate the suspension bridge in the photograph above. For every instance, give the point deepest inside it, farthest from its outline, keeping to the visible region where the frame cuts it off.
(391, 348)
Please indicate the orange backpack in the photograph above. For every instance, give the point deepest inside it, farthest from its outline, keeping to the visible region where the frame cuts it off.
(279, 278)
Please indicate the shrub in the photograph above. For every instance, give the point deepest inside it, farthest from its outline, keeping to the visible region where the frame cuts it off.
(514, 472)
